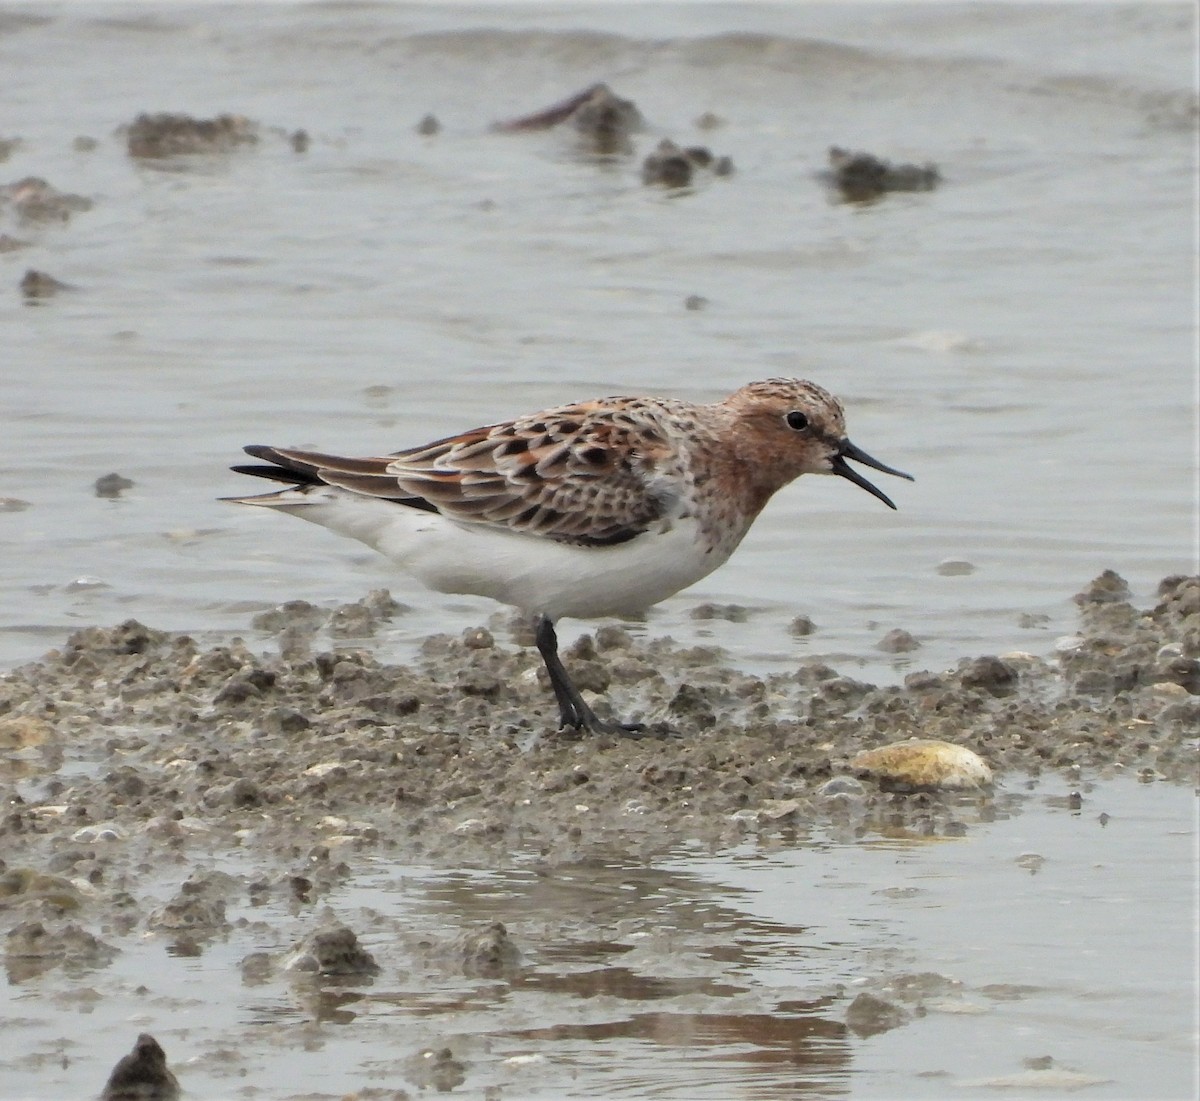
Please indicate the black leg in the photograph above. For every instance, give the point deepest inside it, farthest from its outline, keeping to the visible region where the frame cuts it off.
(573, 709)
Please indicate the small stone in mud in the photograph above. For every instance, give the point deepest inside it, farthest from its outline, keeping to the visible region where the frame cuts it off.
(668, 166)
(256, 967)
(11, 244)
(954, 567)
(333, 951)
(361, 618)
(112, 485)
(23, 731)
(1109, 588)
(672, 167)
(85, 144)
(437, 1069)
(1032, 620)
(21, 884)
(31, 948)
(299, 141)
(841, 787)
(802, 626)
(691, 702)
(142, 1075)
(869, 1015)
(695, 302)
(988, 673)
(152, 136)
(428, 126)
(198, 908)
(923, 765)
(489, 952)
(38, 284)
(291, 613)
(861, 177)
(7, 145)
(709, 121)
(897, 641)
(351, 621)
(731, 613)
(34, 200)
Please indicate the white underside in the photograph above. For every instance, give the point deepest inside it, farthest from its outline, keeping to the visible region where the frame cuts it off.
(532, 573)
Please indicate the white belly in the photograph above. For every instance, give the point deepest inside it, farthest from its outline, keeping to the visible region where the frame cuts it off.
(532, 573)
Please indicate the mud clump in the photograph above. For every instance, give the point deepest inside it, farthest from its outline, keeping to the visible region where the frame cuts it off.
(142, 1075)
(197, 912)
(33, 201)
(438, 1070)
(869, 1015)
(488, 952)
(154, 136)
(602, 121)
(32, 948)
(862, 178)
(37, 285)
(331, 951)
(111, 485)
(672, 166)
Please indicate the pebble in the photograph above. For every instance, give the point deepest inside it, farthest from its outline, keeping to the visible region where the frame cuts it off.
(332, 951)
(897, 641)
(924, 765)
(112, 485)
(869, 1015)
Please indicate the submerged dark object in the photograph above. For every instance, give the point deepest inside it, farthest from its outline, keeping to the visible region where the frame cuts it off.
(142, 1075)
(673, 166)
(602, 119)
(861, 177)
(38, 284)
(168, 135)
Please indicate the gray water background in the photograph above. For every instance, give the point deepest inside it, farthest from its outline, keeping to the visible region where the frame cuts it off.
(1022, 340)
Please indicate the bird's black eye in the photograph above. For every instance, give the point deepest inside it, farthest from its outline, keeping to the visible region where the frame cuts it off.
(797, 420)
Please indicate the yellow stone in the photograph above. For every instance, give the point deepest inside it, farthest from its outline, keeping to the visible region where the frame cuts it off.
(22, 731)
(923, 764)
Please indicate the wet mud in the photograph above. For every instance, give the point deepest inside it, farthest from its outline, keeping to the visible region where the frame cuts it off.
(130, 756)
(456, 757)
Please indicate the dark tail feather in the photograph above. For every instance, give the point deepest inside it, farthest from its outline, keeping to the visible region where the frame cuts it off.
(277, 474)
(310, 468)
(287, 468)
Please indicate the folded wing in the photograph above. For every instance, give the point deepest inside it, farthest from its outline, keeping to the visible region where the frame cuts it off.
(582, 474)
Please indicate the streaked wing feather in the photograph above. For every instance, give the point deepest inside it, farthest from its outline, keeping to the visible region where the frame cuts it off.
(577, 474)
(573, 474)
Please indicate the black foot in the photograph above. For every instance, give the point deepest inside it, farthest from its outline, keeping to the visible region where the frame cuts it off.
(574, 713)
(593, 724)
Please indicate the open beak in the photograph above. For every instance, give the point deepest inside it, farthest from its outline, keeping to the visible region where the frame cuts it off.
(847, 450)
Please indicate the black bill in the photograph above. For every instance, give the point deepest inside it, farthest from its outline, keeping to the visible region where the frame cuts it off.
(842, 469)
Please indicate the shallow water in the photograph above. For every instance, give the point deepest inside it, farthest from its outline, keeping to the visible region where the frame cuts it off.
(1046, 950)
(1021, 339)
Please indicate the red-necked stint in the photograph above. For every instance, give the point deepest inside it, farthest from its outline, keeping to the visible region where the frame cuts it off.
(601, 508)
